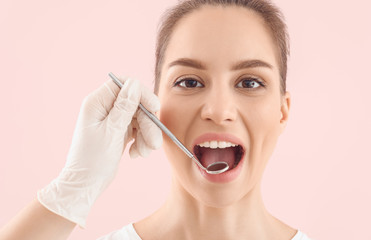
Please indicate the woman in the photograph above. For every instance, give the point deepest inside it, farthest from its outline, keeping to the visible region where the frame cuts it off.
(223, 63)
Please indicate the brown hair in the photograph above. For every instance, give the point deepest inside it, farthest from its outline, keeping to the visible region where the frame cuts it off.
(270, 13)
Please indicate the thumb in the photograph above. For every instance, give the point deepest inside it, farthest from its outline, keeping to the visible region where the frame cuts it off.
(125, 105)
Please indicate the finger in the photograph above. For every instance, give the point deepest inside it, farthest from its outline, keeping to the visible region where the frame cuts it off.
(125, 105)
(112, 86)
(133, 151)
(98, 103)
(149, 100)
(141, 146)
(152, 134)
(109, 91)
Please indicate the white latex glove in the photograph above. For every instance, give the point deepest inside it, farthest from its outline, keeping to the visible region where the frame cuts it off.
(109, 118)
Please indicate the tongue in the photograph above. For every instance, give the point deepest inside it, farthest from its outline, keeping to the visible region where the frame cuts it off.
(210, 156)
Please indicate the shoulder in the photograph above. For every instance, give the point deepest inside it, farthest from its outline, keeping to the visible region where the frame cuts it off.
(300, 236)
(126, 233)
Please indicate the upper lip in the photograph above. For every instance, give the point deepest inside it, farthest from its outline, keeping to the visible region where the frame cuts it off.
(227, 137)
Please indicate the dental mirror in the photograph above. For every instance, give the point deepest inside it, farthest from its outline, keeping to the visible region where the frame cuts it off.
(214, 168)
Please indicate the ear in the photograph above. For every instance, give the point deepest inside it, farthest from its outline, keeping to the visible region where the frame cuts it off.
(285, 108)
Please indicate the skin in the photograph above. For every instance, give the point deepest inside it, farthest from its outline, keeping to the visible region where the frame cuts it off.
(219, 37)
(37, 222)
(196, 208)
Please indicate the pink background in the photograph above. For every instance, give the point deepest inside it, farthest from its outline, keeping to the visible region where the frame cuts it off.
(53, 53)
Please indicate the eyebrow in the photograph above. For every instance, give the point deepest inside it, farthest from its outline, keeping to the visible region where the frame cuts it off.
(252, 63)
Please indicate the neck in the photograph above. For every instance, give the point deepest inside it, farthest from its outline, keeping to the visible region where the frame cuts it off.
(183, 217)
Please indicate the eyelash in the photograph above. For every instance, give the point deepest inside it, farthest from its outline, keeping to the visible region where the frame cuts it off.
(250, 79)
(183, 80)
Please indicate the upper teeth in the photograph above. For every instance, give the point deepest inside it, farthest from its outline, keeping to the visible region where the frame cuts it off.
(217, 144)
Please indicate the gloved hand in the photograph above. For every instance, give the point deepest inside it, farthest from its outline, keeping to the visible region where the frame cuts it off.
(109, 118)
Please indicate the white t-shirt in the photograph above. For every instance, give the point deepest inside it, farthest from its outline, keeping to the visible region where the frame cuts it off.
(128, 233)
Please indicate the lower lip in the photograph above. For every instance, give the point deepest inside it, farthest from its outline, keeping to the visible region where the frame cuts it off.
(226, 176)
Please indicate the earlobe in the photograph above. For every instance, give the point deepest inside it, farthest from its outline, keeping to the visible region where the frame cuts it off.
(285, 108)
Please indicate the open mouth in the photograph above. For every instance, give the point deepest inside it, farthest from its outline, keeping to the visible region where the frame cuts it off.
(218, 151)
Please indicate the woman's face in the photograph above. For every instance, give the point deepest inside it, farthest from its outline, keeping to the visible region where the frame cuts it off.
(220, 85)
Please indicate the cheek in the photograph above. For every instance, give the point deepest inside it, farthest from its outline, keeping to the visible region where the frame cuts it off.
(171, 115)
(174, 115)
(270, 124)
(178, 113)
(268, 113)
(263, 120)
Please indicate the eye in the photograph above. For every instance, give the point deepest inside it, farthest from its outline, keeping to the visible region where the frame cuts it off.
(250, 82)
(188, 83)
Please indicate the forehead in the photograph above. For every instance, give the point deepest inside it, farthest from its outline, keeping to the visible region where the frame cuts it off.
(219, 36)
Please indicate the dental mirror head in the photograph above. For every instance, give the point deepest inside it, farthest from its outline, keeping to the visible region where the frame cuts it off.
(217, 168)
(214, 168)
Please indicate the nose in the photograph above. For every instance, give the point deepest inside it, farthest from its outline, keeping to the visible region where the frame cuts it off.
(219, 106)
